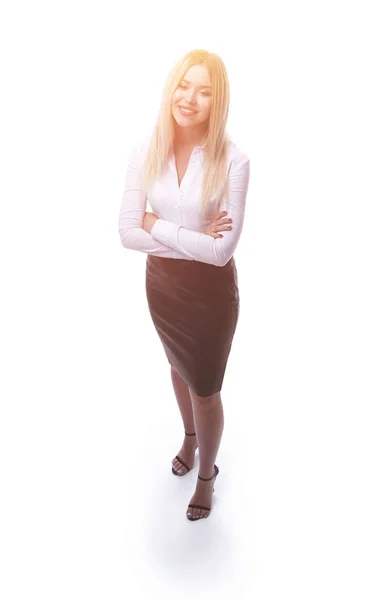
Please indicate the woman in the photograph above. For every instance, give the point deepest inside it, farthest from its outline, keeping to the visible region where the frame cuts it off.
(191, 277)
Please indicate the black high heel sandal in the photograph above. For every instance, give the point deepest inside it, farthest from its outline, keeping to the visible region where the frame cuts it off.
(208, 508)
(182, 462)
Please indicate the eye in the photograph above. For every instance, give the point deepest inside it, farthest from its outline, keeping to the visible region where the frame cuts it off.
(184, 86)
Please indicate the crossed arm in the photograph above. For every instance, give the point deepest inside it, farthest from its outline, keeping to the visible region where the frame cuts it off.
(132, 212)
(172, 240)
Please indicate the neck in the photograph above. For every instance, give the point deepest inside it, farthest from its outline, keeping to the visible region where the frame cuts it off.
(187, 137)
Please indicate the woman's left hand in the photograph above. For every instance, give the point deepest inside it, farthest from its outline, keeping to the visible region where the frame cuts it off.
(149, 221)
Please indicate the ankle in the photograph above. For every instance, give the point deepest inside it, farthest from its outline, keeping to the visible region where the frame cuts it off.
(190, 438)
(190, 442)
(205, 480)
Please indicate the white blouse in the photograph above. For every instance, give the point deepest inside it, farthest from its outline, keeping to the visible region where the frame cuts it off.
(178, 232)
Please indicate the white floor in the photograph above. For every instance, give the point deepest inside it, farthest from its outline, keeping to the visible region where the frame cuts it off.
(90, 508)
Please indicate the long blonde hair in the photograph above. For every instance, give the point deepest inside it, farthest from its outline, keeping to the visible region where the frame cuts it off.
(216, 140)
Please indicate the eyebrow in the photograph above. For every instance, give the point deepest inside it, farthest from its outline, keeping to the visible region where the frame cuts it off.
(203, 86)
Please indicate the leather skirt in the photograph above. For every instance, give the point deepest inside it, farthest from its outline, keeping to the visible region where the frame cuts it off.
(195, 308)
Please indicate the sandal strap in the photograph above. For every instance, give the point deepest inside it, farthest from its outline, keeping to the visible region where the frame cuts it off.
(189, 433)
(209, 478)
(208, 508)
(183, 463)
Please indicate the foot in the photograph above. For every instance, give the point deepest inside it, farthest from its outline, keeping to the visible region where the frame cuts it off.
(203, 497)
(186, 454)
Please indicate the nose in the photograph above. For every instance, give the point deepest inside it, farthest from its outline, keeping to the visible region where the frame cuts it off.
(190, 98)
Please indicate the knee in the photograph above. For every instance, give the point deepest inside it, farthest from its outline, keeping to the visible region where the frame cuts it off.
(210, 400)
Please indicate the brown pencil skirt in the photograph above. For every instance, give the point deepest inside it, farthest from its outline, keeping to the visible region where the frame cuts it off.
(195, 308)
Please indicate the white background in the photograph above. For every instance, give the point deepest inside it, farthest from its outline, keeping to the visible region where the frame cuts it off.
(89, 421)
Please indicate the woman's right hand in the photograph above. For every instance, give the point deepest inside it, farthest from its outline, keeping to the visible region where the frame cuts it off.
(219, 223)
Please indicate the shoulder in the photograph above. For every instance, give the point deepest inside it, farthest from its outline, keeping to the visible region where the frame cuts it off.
(236, 156)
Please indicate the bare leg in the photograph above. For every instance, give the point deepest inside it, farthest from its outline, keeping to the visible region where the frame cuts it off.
(187, 451)
(209, 423)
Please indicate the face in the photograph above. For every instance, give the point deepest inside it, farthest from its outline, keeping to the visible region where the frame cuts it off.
(194, 91)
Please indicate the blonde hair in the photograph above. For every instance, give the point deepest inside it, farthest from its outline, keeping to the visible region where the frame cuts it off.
(216, 141)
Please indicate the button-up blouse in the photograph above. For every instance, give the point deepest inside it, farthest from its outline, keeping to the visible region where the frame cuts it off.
(178, 232)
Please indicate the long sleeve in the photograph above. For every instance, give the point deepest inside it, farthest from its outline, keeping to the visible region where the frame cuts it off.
(203, 247)
(132, 211)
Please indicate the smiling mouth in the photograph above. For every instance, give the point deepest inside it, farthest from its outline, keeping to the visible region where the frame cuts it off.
(186, 111)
